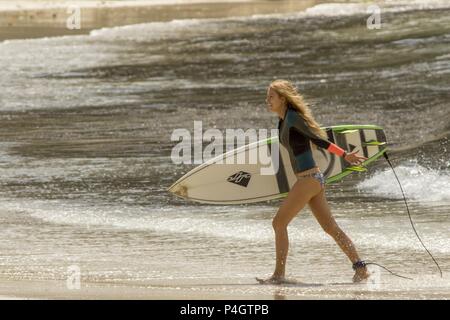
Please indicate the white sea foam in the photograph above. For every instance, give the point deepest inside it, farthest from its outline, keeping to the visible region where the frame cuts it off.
(336, 9)
(349, 9)
(228, 223)
(419, 183)
(175, 28)
(184, 27)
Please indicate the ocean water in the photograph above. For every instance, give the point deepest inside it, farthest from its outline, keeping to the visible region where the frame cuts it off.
(85, 127)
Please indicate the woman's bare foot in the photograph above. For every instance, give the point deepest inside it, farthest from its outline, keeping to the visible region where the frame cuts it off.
(361, 274)
(272, 280)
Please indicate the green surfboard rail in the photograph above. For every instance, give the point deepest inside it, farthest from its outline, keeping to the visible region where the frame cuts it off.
(353, 127)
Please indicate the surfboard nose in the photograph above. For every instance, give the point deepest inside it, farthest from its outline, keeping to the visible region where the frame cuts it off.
(179, 190)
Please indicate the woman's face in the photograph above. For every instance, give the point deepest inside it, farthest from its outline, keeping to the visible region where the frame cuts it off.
(275, 102)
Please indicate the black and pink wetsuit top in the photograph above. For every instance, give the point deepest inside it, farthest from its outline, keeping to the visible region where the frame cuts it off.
(295, 135)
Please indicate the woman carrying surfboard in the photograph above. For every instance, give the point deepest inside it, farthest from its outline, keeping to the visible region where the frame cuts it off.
(297, 128)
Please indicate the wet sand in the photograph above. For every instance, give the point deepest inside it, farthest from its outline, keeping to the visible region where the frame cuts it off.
(211, 289)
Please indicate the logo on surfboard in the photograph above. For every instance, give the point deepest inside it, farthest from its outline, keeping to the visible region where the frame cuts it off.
(241, 178)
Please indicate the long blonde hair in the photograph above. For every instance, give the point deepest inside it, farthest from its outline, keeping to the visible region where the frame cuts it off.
(286, 89)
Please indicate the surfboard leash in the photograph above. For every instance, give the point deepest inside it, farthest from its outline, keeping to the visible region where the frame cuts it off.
(409, 215)
(379, 265)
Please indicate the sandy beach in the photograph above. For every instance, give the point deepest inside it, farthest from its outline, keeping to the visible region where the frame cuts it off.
(36, 19)
(212, 289)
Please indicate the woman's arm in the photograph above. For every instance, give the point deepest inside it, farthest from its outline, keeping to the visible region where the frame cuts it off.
(300, 124)
(296, 121)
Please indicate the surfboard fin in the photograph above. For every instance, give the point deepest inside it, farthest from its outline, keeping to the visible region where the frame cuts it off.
(373, 143)
(347, 131)
(356, 168)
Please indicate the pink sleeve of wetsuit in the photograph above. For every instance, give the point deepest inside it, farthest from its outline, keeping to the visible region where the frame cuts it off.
(333, 148)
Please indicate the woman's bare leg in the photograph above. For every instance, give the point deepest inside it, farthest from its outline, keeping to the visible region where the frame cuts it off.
(302, 191)
(321, 210)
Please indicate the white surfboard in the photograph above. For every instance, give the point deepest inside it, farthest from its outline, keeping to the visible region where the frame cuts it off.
(217, 182)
